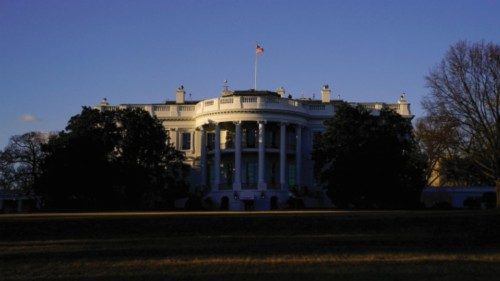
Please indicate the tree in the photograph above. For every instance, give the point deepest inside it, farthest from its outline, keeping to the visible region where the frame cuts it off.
(150, 168)
(112, 160)
(437, 140)
(7, 173)
(20, 161)
(368, 160)
(465, 91)
(457, 170)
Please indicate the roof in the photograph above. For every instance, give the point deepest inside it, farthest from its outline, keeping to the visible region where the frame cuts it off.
(253, 92)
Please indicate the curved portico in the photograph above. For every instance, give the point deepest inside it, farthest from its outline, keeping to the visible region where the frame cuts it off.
(242, 149)
(250, 144)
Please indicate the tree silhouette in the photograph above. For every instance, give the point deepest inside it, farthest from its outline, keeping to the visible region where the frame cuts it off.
(369, 160)
(20, 161)
(112, 160)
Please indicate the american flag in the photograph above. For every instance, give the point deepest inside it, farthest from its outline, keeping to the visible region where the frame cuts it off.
(259, 49)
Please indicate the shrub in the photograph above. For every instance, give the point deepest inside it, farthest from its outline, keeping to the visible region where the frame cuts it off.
(472, 203)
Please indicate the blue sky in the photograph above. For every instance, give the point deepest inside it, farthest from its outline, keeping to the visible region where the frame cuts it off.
(56, 56)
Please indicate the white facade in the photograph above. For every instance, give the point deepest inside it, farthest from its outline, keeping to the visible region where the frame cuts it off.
(250, 149)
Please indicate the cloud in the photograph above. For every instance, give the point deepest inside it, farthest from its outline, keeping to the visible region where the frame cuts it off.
(28, 118)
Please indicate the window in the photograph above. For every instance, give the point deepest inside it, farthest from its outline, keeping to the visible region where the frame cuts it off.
(291, 140)
(210, 140)
(273, 180)
(274, 203)
(250, 137)
(317, 138)
(229, 140)
(291, 175)
(226, 174)
(186, 141)
(272, 140)
(249, 178)
(224, 203)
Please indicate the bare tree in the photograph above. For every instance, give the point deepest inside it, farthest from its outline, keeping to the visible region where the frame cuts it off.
(465, 92)
(20, 161)
(7, 172)
(437, 138)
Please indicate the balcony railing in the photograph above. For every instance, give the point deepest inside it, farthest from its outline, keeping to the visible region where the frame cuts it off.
(248, 185)
(230, 103)
(225, 186)
(161, 108)
(183, 110)
(231, 145)
(261, 102)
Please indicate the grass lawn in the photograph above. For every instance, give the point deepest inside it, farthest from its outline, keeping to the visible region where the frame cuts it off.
(399, 245)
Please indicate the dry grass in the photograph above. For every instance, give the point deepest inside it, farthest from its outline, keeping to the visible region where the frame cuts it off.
(362, 249)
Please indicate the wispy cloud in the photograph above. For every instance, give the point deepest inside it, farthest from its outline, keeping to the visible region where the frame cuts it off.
(28, 118)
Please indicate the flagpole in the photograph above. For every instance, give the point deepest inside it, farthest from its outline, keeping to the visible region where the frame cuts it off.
(258, 50)
(255, 71)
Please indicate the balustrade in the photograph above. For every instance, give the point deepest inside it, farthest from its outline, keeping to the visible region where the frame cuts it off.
(161, 108)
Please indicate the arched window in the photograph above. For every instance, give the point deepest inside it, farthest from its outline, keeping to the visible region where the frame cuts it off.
(224, 203)
(273, 203)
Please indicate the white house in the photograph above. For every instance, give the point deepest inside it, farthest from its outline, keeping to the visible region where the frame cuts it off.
(250, 149)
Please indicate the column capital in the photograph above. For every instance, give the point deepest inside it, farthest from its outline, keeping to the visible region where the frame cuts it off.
(237, 122)
(212, 122)
(262, 122)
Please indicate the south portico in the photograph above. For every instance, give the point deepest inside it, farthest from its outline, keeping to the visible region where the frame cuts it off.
(257, 159)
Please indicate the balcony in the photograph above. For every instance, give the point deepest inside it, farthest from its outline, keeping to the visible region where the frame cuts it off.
(231, 103)
(261, 103)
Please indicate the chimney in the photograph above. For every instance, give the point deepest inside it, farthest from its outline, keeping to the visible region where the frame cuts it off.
(281, 92)
(104, 102)
(225, 90)
(403, 106)
(180, 95)
(325, 94)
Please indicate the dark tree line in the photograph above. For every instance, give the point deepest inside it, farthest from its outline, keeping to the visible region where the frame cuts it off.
(368, 160)
(102, 160)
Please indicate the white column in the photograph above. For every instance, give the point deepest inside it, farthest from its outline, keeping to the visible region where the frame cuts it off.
(237, 156)
(298, 154)
(261, 170)
(217, 157)
(203, 156)
(176, 138)
(283, 156)
(193, 142)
